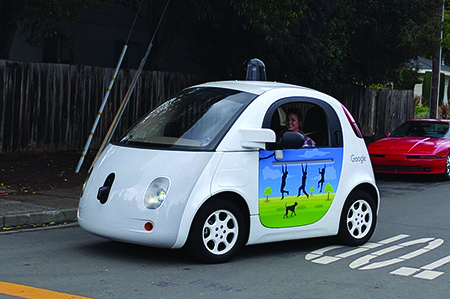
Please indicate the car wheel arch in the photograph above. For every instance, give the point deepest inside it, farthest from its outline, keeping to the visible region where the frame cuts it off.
(369, 189)
(225, 203)
(233, 197)
(358, 217)
(238, 200)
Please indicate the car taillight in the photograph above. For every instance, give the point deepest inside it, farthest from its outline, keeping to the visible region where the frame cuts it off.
(352, 122)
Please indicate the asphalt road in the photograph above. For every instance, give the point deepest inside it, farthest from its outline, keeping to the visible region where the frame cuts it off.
(408, 257)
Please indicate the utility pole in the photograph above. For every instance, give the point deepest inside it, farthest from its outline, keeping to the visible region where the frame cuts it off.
(437, 62)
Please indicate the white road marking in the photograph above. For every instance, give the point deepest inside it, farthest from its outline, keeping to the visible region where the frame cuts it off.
(405, 271)
(393, 239)
(366, 260)
(427, 272)
(318, 257)
(438, 263)
(430, 275)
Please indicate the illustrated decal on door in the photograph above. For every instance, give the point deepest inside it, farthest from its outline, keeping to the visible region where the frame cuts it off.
(299, 188)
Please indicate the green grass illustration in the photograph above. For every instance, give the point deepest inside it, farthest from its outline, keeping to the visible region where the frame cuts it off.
(308, 210)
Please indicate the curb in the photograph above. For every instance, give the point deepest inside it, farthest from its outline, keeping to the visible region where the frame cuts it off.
(40, 209)
(39, 218)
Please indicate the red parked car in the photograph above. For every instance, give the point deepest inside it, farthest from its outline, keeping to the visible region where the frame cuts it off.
(418, 146)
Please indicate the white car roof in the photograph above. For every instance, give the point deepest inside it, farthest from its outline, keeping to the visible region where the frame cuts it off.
(255, 87)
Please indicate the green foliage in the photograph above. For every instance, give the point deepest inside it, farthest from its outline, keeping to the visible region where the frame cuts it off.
(329, 188)
(421, 112)
(426, 88)
(407, 79)
(307, 42)
(384, 36)
(268, 191)
(284, 34)
(312, 42)
(40, 17)
(446, 34)
(275, 19)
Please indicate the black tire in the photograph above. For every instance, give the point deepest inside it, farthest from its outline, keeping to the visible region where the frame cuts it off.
(217, 232)
(446, 174)
(358, 219)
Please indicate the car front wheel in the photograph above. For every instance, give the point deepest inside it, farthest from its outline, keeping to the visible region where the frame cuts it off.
(358, 219)
(446, 174)
(217, 232)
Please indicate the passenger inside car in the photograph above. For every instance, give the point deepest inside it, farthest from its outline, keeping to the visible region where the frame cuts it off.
(294, 123)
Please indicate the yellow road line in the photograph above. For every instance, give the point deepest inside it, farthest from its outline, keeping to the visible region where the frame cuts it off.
(24, 291)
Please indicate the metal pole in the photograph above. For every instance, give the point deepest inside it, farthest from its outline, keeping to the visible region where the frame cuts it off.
(436, 75)
(108, 91)
(126, 99)
(100, 111)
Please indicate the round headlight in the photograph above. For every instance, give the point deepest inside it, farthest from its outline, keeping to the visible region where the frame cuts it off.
(156, 193)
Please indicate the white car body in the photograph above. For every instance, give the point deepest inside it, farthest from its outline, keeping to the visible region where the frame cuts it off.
(233, 170)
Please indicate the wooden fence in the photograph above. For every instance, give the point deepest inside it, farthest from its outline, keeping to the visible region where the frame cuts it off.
(52, 107)
(376, 111)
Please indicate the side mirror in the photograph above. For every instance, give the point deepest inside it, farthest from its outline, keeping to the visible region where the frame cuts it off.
(387, 134)
(256, 138)
(291, 140)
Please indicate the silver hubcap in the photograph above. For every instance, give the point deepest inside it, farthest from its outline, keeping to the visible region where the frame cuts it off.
(359, 219)
(220, 232)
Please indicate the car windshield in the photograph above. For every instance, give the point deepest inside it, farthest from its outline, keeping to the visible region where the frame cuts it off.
(422, 129)
(194, 119)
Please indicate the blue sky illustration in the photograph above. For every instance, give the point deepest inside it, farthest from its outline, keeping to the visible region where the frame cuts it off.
(270, 171)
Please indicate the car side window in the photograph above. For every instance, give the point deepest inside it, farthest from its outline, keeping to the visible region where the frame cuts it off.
(319, 121)
(312, 122)
(316, 126)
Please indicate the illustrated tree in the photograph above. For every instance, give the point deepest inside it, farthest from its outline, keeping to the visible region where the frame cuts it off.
(311, 190)
(267, 192)
(328, 190)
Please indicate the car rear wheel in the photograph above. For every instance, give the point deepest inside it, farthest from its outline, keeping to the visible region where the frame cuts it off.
(358, 219)
(217, 232)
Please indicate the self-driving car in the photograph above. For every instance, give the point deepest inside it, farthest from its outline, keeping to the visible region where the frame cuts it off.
(205, 170)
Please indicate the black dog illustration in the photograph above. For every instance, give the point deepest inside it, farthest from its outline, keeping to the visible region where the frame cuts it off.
(290, 208)
(283, 181)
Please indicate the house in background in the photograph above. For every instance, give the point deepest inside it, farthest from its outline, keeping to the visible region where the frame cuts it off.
(421, 89)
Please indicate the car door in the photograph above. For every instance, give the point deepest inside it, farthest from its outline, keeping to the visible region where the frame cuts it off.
(297, 185)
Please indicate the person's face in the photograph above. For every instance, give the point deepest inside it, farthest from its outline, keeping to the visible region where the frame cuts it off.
(292, 123)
